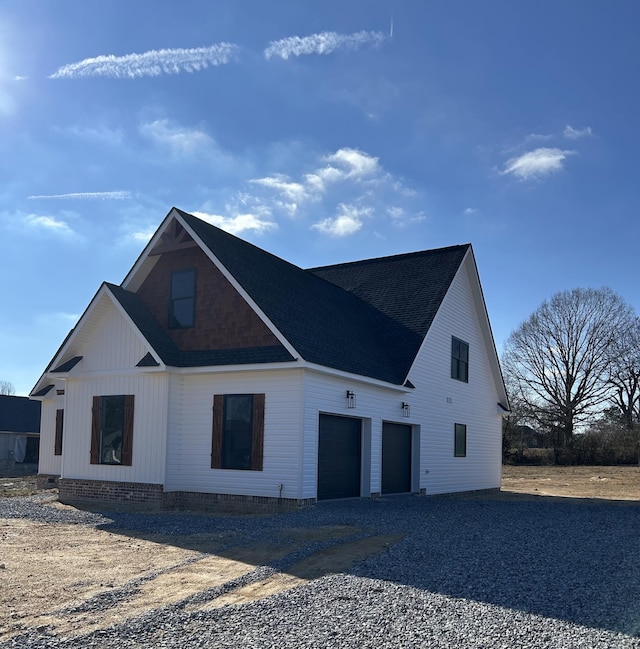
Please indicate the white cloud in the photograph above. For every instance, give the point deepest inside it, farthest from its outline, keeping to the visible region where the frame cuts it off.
(181, 140)
(149, 64)
(357, 164)
(322, 43)
(396, 213)
(346, 165)
(47, 224)
(238, 223)
(102, 196)
(320, 178)
(294, 192)
(576, 133)
(347, 222)
(141, 236)
(469, 211)
(94, 133)
(19, 77)
(537, 163)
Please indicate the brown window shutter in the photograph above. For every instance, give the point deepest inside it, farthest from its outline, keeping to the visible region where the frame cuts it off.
(127, 430)
(216, 432)
(57, 445)
(257, 439)
(95, 430)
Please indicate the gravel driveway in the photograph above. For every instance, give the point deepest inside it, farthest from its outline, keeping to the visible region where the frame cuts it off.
(469, 572)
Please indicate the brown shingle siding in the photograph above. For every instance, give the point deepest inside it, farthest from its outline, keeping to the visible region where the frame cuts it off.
(223, 319)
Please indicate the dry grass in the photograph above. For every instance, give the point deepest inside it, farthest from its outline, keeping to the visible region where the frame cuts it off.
(20, 486)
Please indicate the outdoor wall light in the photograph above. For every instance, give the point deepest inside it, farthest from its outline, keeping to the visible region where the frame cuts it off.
(351, 399)
(406, 409)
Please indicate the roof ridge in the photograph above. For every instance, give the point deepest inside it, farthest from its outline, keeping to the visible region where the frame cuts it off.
(387, 258)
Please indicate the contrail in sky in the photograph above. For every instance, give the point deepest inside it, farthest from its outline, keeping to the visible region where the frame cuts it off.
(149, 64)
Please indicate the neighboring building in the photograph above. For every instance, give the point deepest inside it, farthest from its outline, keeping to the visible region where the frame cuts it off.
(218, 373)
(19, 431)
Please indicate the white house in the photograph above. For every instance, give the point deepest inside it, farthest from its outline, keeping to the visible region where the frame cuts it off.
(219, 374)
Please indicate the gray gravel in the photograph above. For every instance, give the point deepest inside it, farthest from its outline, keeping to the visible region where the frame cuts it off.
(470, 572)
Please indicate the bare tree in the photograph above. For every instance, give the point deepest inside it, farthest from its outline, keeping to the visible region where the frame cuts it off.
(557, 360)
(6, 387)
(624, 374)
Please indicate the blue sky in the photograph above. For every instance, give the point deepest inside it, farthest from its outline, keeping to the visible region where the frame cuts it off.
(322, 131)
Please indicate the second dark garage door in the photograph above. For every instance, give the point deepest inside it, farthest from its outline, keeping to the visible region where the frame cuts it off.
(396, 458)
(339, 457)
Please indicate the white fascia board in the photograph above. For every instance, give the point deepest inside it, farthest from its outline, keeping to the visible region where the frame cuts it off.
(73, 334)
(291, 365)
(481, 305)
(358, 378)
(245, 296)
(249, 367)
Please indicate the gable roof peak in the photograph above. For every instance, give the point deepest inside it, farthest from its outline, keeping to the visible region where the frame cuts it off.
(398, 257)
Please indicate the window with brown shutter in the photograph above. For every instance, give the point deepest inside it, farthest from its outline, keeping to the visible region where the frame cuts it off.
(237, 440)
(57, 445)
(112, 430)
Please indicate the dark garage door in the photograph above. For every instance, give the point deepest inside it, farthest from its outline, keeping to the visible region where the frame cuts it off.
(396, 458)
(339, 450)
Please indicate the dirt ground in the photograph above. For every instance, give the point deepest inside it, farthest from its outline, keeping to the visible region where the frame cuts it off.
(47, 572)
(607, 482)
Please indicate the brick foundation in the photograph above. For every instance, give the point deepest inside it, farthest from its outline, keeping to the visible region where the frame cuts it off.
(71, 490)
(230, 503)
(152, 496)
(47, 481)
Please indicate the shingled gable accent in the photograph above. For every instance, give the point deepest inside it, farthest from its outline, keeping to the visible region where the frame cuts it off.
(223, 319)
(373, 328)
(166, 349)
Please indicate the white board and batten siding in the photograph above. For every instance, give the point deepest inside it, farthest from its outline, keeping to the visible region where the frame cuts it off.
(190, 433)
(441, 401)
(113, 345)
(149, 428)
(48, 463)
(108, 368)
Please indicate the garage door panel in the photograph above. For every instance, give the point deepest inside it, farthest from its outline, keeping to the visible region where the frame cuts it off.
(396, 458)
(339, 457)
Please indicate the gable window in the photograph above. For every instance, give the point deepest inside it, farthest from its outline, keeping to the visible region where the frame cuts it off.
(459, 359)
(238, 431)
(57, 444)
(112, 429)
(460, 441)
(182, 301)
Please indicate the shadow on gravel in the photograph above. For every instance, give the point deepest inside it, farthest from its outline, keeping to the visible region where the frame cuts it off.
(570, 559)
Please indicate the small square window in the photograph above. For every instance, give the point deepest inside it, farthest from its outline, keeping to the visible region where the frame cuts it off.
(182, 301)
(460, 440)
(459, 360)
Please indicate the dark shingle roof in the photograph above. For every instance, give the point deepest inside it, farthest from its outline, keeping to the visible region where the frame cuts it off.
(19, 414)
(367, 318)
(408, 288)
(68, 365)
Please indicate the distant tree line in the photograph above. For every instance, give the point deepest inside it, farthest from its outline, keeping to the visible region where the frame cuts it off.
(572, 371)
